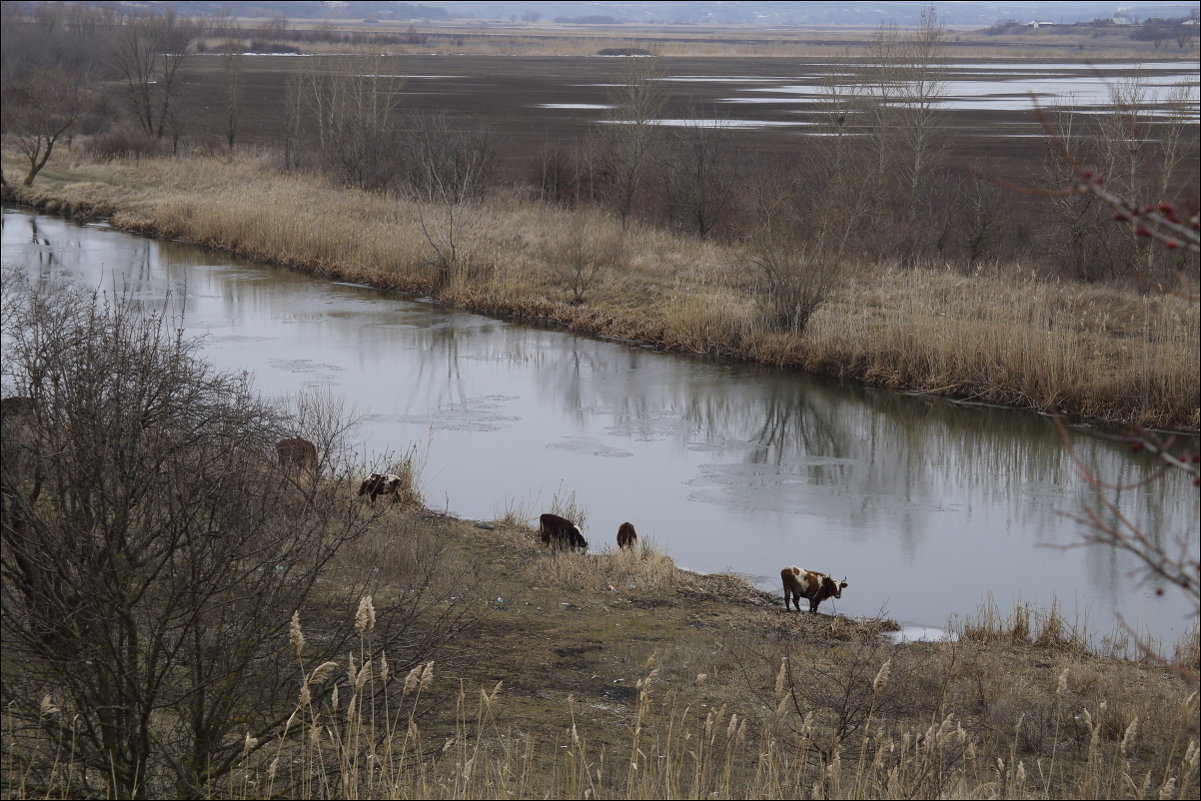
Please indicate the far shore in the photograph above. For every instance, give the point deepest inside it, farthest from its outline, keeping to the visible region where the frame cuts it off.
(1094, 353)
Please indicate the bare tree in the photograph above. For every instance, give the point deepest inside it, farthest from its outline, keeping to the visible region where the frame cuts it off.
(38, 110)
(48, 55)
(147, 53)
(573, 175)
(920, 93)
(631, 134)
(1076, 219)
(352, 105)
(293, 119)
(449, 171)
(451, 230)
(978, 217)
(1138, 153)
(447, 160)
(231, 65)
(363, 136)
(792, 274)
(153, 552)
(582, 259)
(700, 184)
(904, 90)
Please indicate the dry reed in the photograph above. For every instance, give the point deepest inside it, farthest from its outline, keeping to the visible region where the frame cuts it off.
(1004, 337)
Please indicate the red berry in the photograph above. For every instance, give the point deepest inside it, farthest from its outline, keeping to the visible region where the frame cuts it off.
(1142, 231)
(1159, 590)
(1136, 446)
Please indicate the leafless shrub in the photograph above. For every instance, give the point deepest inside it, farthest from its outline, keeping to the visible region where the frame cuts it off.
(124, 142)
(352, 105)
(700, 182)
(585, 256)
(631, 136)
(153, 552)
(447, 161)
(792, 275)
(146, 52)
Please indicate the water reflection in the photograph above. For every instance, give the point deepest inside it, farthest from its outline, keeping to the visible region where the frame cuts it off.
(928, 507)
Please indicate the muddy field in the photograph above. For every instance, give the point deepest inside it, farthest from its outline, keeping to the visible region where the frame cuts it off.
(766, 108)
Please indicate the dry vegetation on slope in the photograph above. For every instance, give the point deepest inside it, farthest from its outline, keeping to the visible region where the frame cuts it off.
(618, 675)
(1001, 335)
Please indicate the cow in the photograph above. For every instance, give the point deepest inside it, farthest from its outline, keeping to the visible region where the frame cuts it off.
(810, 584)
(378, 484)
(297, 453)
(17, 407)
(561, 533)
(627, 537)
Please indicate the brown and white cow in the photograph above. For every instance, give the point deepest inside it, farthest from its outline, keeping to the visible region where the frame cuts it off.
(561, 533)
(810, 584)
(297, 453)
(627, 537)
(378, 484)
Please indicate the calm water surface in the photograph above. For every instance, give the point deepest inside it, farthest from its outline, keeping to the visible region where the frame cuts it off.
(930, 509)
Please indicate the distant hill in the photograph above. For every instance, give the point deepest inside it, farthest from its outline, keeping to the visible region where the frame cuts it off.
(359, 10)
(858, 12)
(712, 12)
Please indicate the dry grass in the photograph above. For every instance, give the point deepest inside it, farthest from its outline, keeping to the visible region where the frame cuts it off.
(1000, 336)
(640, 569)
(676, 688)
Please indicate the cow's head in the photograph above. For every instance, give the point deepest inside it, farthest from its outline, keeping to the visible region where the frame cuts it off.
(833, 589)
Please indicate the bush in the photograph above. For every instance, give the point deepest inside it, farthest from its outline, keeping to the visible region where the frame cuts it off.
(154, 549)
(123, 142)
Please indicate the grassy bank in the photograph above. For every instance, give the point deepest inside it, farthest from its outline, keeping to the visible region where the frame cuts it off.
(999, 335)
(615, 674)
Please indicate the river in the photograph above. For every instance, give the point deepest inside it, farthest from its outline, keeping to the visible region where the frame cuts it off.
(930, 509)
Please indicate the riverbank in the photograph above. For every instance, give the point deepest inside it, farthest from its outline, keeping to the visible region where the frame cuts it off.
(999, 335)
(616, 674)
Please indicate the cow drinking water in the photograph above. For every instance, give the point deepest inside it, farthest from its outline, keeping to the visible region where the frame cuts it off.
(560, 533)
(810, 584)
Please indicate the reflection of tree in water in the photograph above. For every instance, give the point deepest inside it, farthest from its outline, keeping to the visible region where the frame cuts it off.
(437, 367)
(890, 461)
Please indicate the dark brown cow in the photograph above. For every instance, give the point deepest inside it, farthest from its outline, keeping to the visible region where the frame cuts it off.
(560, 533)
(378, 484)
(297, 453)
(627, 537)
(17, 407)
(810, 584)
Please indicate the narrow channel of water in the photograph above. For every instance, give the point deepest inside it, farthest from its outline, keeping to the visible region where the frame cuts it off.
(928, 508)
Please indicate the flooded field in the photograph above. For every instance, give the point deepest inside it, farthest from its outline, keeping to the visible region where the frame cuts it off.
(929, 509)
(766, 103)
